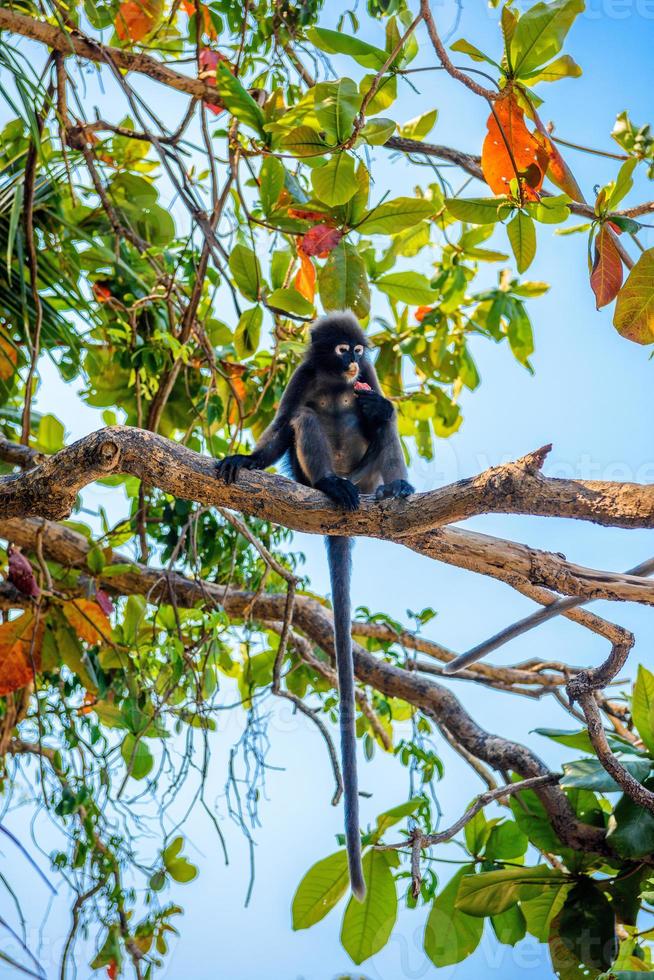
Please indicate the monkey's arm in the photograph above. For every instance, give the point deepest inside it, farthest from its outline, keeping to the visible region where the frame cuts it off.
(276, 439)
(375, 410)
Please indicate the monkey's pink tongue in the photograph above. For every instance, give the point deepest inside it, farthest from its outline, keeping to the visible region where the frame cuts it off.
(361, 386)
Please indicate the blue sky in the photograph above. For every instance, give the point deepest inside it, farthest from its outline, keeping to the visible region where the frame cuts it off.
(590, 397)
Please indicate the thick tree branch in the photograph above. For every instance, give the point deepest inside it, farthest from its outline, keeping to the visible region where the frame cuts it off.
(50, 490)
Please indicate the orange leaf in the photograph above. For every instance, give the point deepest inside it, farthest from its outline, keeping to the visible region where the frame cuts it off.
(509, 142)
(235, 374)
(606, 277)
(422, 312)
(101, 292)
(20, 652)
(307, 215)
(8, 356)
(87, 619)
(188, 6)
(558, 171)
(305, 279)
(137, 18)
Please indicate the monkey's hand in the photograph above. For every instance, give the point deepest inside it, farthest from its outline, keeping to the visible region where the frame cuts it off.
(397, 488)
(374, 407)
(342, 492)
(227, 469)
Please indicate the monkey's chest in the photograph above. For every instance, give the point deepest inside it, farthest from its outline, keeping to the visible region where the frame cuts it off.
(340, 423)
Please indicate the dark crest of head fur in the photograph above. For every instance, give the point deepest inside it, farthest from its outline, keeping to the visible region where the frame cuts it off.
(334, 328)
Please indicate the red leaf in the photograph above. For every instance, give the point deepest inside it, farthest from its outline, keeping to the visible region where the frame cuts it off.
(305, 279)
(20, 652)
(507, 132)
(320, 240)
(103, 600)
(209, 61)
(21, 574)
(606, 277)
(112, 970)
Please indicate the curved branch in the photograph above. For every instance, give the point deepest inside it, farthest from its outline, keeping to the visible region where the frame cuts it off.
(70, 548)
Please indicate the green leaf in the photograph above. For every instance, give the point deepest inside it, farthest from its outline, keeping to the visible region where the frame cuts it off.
(492, 892)
(506, 842)
(248, 332)
(451, 935)
(565, 964)
(540, 33)
(320, 889)
(383, 98)
(550, 210)
(95, 560)
(271, 182)
(245, 268)
(394, 216)
(51, 434)
(622, 185)
(591, 774)
(520, 334)
(474, 210)
(632, 834)
(642, 706)
(407, 287)
(465, 47)
(634, 310)
(390, 817)
(418, 128)
(343, 282)
(176, 865)
(137, 757)
(509, 926)
(368, 924)
(238, 100)
(289, 301)
(540, 911)
(586, 924)
(336, 105)
(333, 42)
(522, 235)
(14, 216)
(563, 67)
(378, 131)
(304, 142)
(335, 182)
(476, 832)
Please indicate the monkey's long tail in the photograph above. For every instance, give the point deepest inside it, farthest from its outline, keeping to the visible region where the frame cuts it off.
(339, 556)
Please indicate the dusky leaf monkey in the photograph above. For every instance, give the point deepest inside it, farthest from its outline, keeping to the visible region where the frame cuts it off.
(340, 436)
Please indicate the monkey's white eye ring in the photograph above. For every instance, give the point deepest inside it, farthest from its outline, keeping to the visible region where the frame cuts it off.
(341, 348)
(358, 350)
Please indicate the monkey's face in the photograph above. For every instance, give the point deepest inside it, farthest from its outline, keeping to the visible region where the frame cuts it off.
(347, 357)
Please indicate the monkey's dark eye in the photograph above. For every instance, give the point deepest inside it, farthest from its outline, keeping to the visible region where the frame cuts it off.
(358, 350)
(341, 349)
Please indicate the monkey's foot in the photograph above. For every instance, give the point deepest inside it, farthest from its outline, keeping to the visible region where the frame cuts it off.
(398, 488)
(227, 469)
(342, 492)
